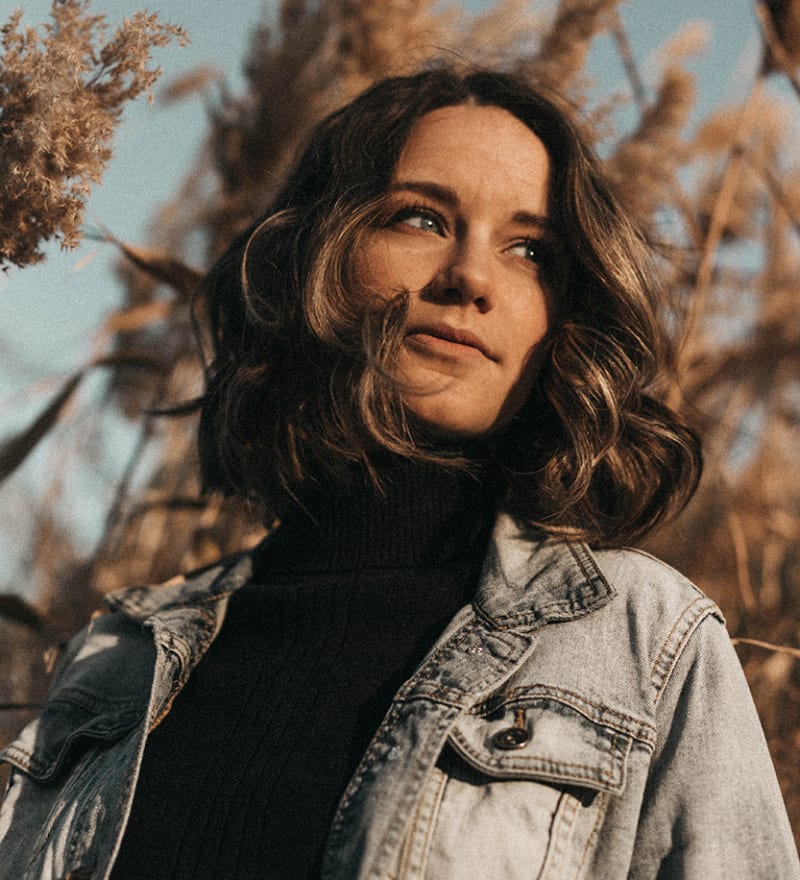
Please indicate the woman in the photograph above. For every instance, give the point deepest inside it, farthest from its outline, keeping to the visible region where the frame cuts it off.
(433, 361)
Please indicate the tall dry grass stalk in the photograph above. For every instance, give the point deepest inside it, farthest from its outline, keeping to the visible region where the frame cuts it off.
(721, 202)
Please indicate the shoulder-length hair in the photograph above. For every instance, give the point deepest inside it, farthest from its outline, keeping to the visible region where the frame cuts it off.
(302, 384)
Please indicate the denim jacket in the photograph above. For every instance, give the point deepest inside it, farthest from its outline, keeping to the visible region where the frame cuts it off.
(584, 717)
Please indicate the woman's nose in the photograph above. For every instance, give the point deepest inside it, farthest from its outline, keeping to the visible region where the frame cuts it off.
(467, 277)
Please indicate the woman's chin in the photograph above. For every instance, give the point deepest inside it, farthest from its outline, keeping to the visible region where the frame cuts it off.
(450, 427)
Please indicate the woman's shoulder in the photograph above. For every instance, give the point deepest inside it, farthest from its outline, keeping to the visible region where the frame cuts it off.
(103, 681)
(203, 586)
(660, 611)
(611, 624)
(113, 654)
(643, 582)
(560, 580)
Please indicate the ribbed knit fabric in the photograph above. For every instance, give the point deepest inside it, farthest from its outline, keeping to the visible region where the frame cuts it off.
(242, 779)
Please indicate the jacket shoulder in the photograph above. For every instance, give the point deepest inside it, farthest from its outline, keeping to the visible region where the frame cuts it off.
(196, 588)
(664, 611)
(649, 587)
(657, 609)
(622, 653)
(99, 692)
(102, 685)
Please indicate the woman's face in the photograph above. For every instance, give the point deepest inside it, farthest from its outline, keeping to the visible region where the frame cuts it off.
(469, 240)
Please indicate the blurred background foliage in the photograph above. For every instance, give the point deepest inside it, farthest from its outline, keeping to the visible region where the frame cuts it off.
(722, 204)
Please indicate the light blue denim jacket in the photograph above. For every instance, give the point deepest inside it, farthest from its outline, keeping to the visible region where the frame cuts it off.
(585, 717)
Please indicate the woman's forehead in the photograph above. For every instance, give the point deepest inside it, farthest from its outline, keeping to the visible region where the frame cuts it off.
(479, 150)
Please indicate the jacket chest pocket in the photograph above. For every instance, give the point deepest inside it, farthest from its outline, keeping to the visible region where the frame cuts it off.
(69, 781)
(519, 791)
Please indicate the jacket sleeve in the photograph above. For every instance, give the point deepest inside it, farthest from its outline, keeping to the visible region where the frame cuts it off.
(73, 765)
(712, 806)
(23, 811)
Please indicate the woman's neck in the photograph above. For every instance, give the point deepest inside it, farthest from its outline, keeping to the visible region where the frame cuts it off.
(422, 516)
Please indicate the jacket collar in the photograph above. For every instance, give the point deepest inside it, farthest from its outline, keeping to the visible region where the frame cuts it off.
(202, 588)
(527, 579)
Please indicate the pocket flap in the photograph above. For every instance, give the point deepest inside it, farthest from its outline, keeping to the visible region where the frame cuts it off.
(47, 744)
(544, 735)
(100, 693)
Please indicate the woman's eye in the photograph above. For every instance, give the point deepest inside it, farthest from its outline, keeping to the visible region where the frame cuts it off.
(531, 250)
(421, 219)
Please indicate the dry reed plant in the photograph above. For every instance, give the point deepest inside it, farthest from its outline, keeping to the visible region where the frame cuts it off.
(62, 91)
(722, 203)
(561, 55)
(646, 162)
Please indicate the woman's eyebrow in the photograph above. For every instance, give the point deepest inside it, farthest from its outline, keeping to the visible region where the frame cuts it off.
(442, 194)
(447, 196)
(528, 218)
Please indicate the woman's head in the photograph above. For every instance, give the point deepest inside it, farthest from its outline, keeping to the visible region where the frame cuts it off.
(446, 261)
(467, 241)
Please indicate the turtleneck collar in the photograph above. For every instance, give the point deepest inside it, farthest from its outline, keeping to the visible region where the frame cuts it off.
(425, 516)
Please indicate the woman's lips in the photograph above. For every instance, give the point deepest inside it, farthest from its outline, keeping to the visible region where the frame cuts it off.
(447, 340)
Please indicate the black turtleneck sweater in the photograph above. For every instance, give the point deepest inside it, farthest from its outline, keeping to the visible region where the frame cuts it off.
(242, 778)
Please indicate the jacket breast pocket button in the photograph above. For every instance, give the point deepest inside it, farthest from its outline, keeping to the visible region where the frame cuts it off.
(513, 737)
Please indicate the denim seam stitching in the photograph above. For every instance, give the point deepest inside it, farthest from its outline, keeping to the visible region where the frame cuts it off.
(593, 771)
(682, 630)
(566, 812)
(602, 803)
(432, 806)
(644, 731)
(413, 783)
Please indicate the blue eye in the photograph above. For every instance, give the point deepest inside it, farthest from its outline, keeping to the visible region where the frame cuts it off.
(421, 218)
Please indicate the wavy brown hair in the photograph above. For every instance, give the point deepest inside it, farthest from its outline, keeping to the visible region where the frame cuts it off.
(301, 385)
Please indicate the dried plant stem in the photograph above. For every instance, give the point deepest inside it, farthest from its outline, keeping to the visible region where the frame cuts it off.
(628, 61)
(14, 452)
(113, 517)
(742, 561)
(719, 216)
(684, 204)
(773, 556)
(780, 649)
(775, 46)
(730, 418)
(779, 194)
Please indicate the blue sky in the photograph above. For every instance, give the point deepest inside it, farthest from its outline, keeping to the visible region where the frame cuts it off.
(49, 314)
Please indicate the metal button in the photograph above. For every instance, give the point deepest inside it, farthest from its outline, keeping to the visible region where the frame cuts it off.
(515, 737)
(511, 738)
